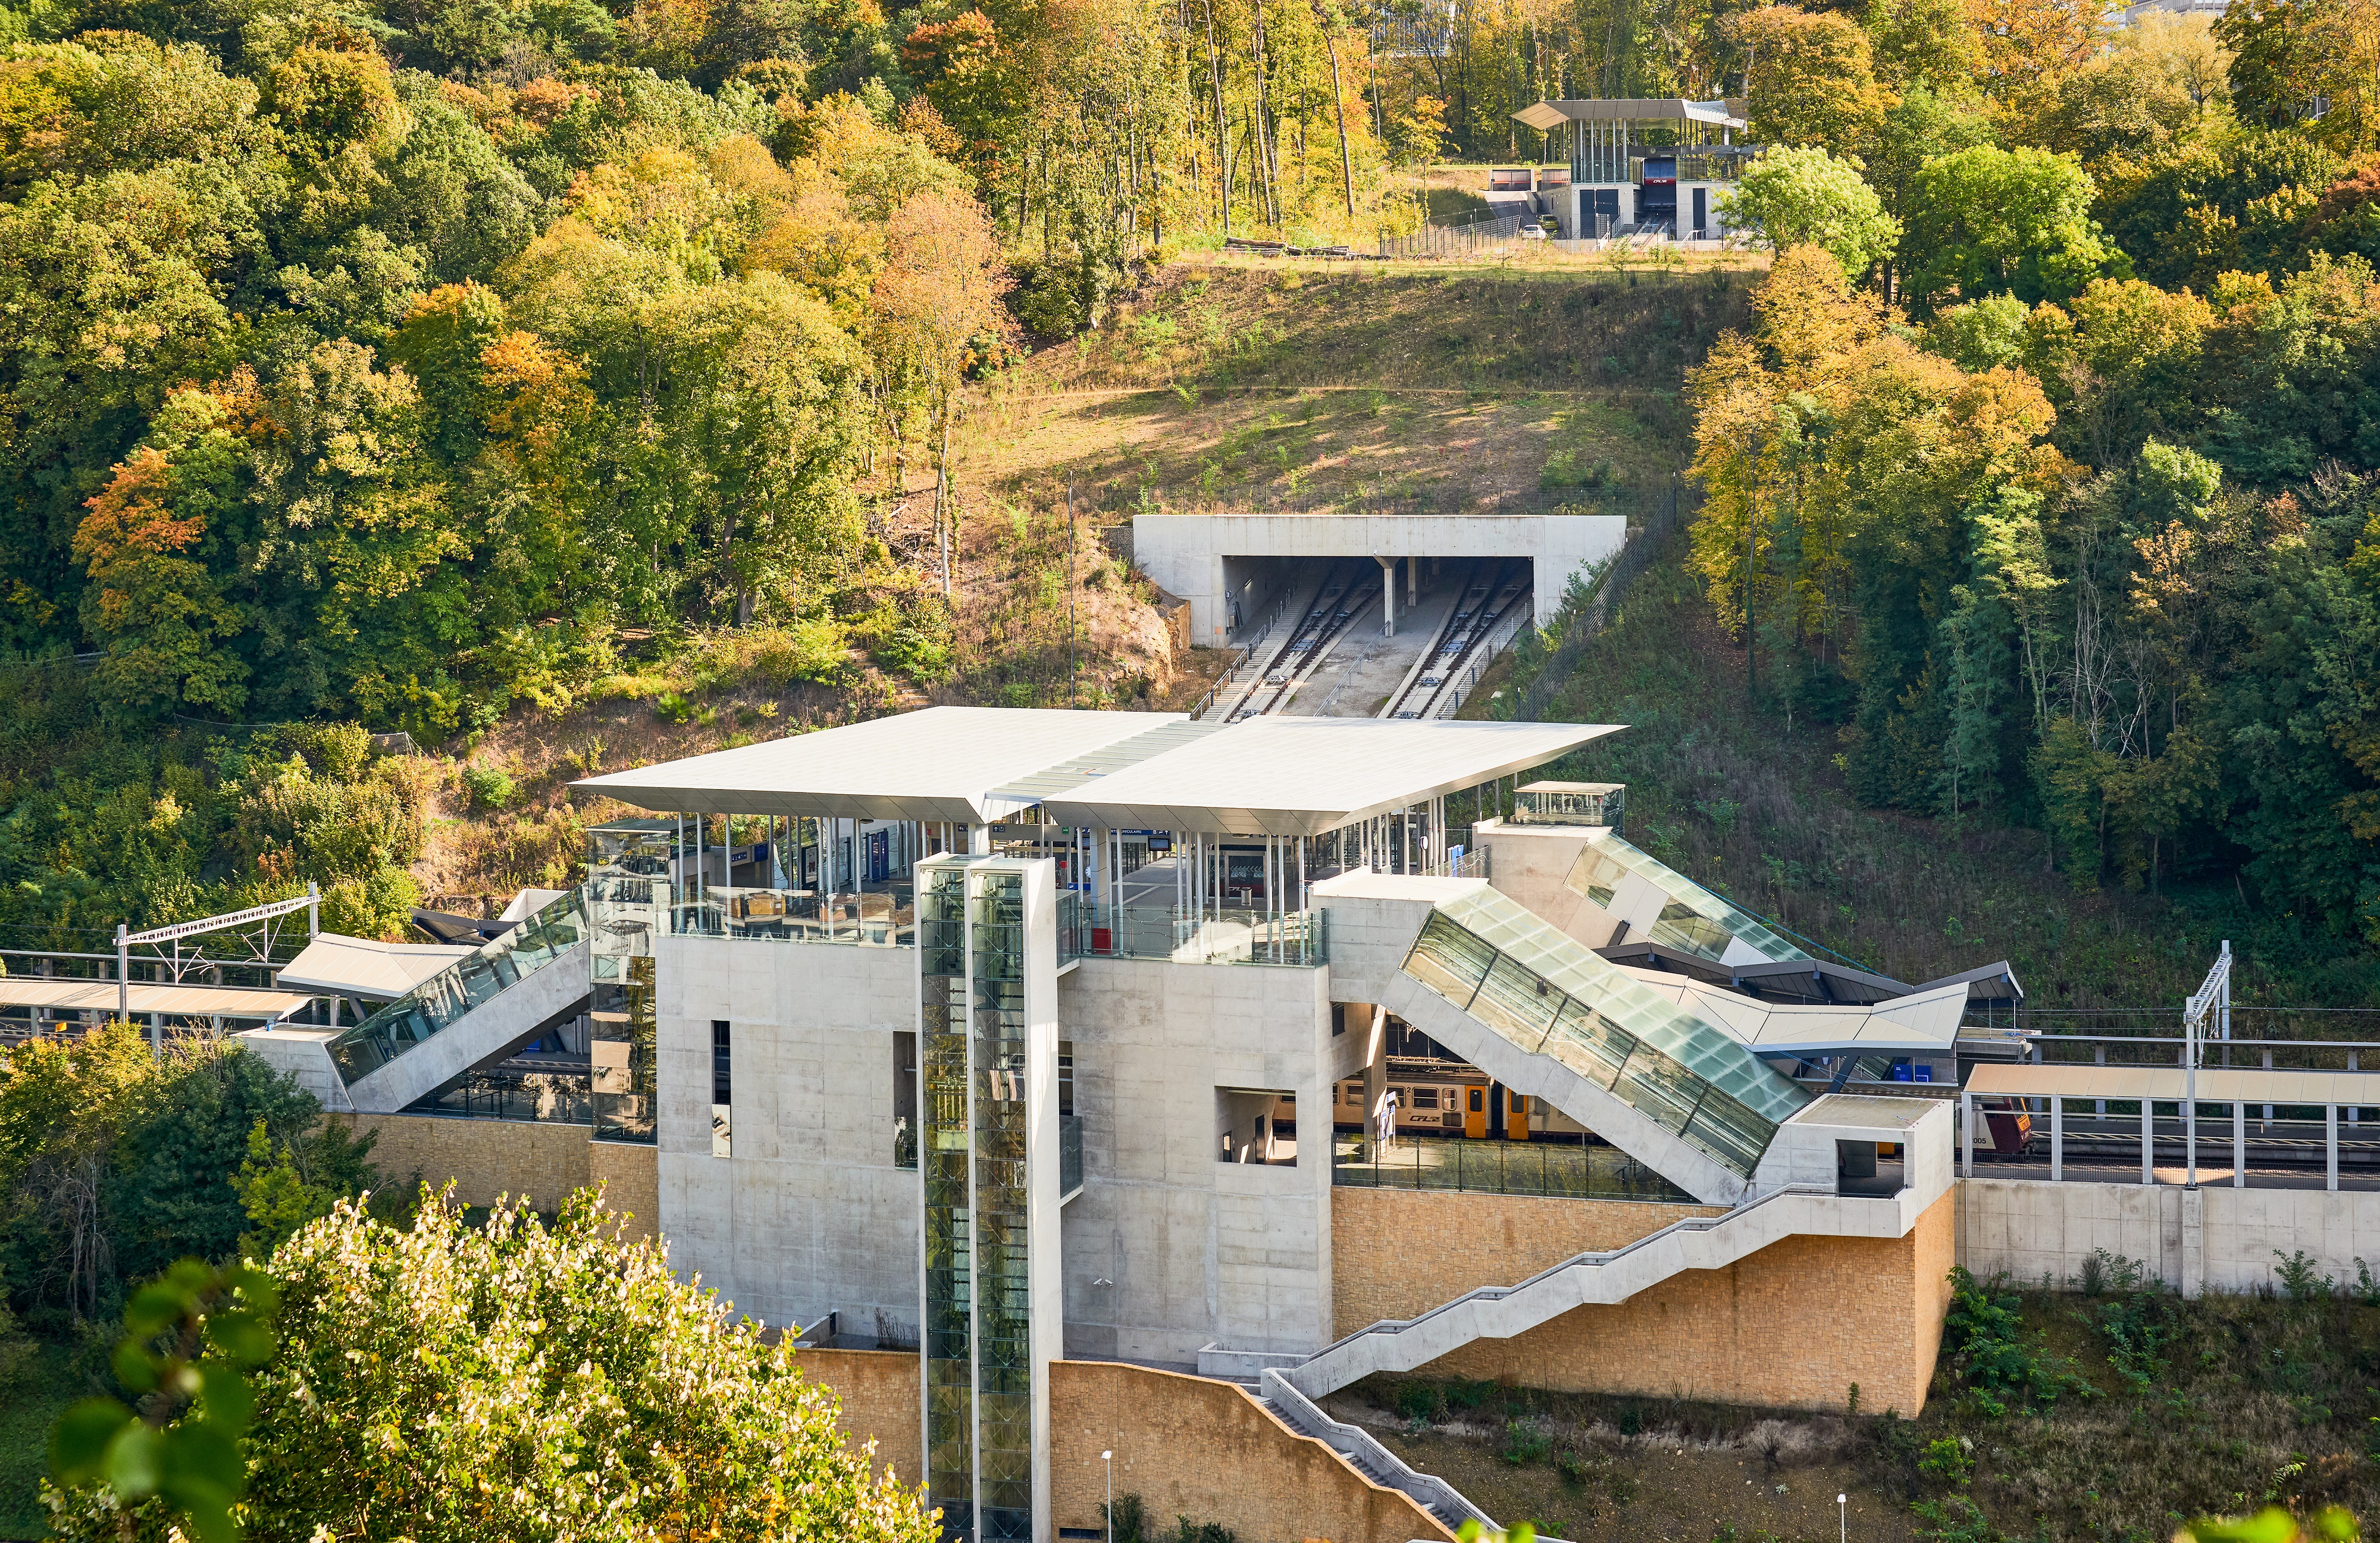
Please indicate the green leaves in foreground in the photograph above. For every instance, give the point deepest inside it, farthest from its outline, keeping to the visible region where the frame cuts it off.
(2332, 1524)
(190, 1339)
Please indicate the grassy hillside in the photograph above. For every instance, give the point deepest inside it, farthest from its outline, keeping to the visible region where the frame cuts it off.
(1210, 385)
(2163, 1410)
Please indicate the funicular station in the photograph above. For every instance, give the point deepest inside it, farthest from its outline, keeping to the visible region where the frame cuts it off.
(1105, 1088)
(1633, 166)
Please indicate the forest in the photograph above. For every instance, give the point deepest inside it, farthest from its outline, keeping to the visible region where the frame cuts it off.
(2049, 468)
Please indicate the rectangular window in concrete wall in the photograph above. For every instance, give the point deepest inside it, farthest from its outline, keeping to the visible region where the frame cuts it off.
(905, 1099)
(1256, 1126)
(723, 1090)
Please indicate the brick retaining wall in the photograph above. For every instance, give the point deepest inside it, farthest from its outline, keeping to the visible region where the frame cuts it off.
(1398, 1253)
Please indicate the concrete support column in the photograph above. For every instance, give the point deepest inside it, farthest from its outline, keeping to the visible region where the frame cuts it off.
(2057, 1140)
(1388, 596)
(2148, 1141)
(1966, 1135)
(2239, 1145)
(1376, 1070)
(1413, 581)
(2330, 1145)
(2193, 1242)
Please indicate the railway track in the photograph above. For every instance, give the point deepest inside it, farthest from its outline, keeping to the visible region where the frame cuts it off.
(1334, 608)
(1487, 605)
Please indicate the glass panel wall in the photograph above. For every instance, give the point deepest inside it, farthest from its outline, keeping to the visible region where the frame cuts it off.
(1545, 994)
(445, 997)
(945, 1139)
(1003, 1353)
(1693, 919)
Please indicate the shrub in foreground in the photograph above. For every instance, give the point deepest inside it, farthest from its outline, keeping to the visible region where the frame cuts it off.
(451, 1384)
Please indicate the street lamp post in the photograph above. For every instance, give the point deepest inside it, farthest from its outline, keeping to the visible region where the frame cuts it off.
(1844, 1518)
(1108, 1458)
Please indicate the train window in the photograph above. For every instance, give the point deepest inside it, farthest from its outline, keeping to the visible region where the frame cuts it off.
(1478, 1101)
(1424, 1097)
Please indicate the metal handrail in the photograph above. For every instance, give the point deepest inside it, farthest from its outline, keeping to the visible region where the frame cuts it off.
(1303, 1416)
(1591, 1257)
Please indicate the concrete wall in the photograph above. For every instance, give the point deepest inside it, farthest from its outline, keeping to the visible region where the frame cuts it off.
(1193, 1249)
(1186, 554)
(1206, 1450)
(303, 1054)
(1529, 863)
(879, 1393)
(2214, 1238)
(490, 1159)
(1397, 1252)
(809, 1215)
(1791, 1326)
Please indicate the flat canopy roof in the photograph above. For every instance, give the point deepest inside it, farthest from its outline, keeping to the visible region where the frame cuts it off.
(1131, 771)
(944, 764)
(367, 968)
(147, 997)
(1547, 117)
(2215, 1083)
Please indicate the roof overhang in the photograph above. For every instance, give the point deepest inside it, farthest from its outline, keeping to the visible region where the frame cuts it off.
(2215, 1085)
(367, 968)
(1268, 776)
(939, 763)
(1550, 115)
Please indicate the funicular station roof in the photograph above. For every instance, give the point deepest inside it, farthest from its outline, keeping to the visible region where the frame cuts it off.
(1269, 776)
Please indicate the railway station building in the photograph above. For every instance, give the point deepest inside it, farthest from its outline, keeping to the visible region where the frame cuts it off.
(1639, 165)
(1097, 1094)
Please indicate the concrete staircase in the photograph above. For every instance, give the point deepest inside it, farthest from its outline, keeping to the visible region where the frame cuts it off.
(1501, 1312)
(1366, 1455)
(480, 1009)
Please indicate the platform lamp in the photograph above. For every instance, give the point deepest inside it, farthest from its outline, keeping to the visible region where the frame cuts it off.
(1108, 1458)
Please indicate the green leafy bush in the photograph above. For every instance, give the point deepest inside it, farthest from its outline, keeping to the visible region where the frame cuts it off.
(1525, 1442)
(490, 787)
(1984, 1337)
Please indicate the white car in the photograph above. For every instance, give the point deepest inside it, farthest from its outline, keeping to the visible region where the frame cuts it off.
(1279, 677)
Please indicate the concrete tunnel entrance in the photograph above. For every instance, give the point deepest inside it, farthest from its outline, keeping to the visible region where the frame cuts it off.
(1240, 571)
(1403, 636)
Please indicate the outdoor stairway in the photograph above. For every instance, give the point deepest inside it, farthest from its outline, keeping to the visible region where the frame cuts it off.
(1542, 1014)
(1364, 1453)
(484, 1006)
(1501, 1312)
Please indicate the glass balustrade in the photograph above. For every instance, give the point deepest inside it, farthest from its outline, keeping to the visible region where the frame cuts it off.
(1213, 936)
(1547, 995)
(439, 1001)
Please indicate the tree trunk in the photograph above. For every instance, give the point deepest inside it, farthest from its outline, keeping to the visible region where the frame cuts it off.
(1339, 102)
(1223, 135)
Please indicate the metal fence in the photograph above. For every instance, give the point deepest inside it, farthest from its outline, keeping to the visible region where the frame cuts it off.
(1556, 1169)
(1500, 234)
(1645, 542)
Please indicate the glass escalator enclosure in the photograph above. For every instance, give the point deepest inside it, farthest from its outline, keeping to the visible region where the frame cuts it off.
(1692, 919)
(1546, 994)
(438, 1001)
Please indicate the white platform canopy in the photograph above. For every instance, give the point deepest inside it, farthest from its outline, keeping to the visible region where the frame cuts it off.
(147, 997)
(939, 763)
(1271, 776)
(1279, 776)
(1547, 115)
(367, 968)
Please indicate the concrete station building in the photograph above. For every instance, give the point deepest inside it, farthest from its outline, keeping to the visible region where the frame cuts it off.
(1639, 165)
(1088, 1083)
